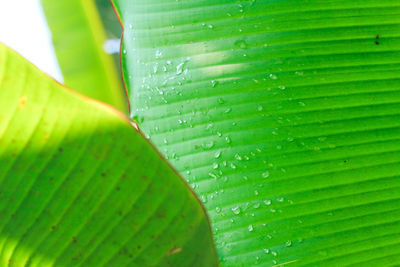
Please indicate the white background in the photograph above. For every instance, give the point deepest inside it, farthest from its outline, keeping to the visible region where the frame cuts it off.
(23, 28)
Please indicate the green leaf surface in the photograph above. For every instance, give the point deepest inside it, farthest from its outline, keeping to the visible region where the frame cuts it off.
(111, 23)
(78, 37)
(282, 115)
(79, 186)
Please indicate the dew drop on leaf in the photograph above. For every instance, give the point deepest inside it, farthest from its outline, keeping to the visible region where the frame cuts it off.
(267, 202)
(236, 210)
(273, 76)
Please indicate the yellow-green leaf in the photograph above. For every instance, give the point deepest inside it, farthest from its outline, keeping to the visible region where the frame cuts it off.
(78, 37)
(79, 186)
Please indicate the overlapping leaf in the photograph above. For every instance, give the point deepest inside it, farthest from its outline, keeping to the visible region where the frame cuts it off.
(79, 186)
(78, 37)
(282, 115)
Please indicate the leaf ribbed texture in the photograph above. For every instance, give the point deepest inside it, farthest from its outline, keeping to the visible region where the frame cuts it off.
(79, 186)
(282, 115)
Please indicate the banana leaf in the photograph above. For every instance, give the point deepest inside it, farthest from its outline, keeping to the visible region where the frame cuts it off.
(283, 116)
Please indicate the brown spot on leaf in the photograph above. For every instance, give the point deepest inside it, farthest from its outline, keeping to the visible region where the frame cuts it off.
(174, 251)
(22, 101)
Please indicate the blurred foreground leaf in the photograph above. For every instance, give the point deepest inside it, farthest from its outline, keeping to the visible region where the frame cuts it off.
(78, 37)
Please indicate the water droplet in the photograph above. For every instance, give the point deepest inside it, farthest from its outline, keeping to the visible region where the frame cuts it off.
(274, 253)
(221, 101)
(299, 73)
(238, 157)
(267, 202)
(288, 243)
(241, 44)
(214, 83)
(158, 54)
(217, 154)
(236, 210)
(260, 108)
(209, 145)
(218, 209)
(179, 68)
(267, 251)
(233, 166)
(250, 227)
(265, 174)
(212, 175)
(256, 192)
(282, 87)
(228, 140)
(215, 166)
(256, 205)
(203, 198)
(273, 76)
